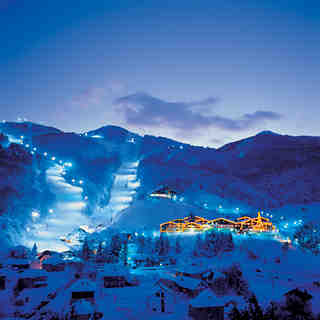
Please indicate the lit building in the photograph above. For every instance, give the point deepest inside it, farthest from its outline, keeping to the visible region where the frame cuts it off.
(196, 223)
(164, 192)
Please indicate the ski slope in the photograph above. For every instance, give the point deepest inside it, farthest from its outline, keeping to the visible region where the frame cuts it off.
(121, 195)
(66, 214)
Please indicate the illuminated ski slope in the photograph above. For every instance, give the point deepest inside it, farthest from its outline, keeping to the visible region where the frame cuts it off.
(122, 193)
(62, 218)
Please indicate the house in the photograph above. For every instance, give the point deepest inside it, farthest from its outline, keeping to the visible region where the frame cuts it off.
(83, 289)
(74, 263)
(82, 310)
(206, 306)
(115, 276)
(161, 300)
(209, 306)
(164, 192)
(299, 297)
(54, 264)
(31, 279)
(180, 284)
(195, 272)
(18, 263)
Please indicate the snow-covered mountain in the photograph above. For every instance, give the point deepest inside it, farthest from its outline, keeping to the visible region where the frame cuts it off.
(115, 171)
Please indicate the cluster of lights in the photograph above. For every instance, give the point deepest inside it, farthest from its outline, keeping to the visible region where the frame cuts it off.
(53, 158)
(295, 223)
(35, 214)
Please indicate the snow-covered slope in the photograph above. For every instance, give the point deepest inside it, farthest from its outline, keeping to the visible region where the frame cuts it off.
(149, 214)
(66, 214)
(121, 195)
(120, 169)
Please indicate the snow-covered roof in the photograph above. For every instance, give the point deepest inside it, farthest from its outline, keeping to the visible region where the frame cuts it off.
(208, 299)
(73, 259)
(187, 282)
(54, 260)
(192, 269)
(83, 307)
(184, 282)
(114, 270)
(32, 273)
(83, 285)
(17, 261)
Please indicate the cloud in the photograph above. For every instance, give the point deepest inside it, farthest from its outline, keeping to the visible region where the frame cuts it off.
(98, 97)
(141, 109)
(216, 141)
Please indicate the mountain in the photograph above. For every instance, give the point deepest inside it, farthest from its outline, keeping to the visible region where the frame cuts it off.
(120, 169)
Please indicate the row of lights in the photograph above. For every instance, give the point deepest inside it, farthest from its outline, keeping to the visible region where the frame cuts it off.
(36, 214)
(53, 158)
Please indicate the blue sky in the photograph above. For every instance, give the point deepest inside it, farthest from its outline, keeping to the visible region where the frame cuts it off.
(204, 72)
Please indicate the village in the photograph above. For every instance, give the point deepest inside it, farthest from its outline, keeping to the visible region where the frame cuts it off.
(139, 276)
(93, 290)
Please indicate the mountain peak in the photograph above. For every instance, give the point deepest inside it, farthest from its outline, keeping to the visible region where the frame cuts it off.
(267, 132)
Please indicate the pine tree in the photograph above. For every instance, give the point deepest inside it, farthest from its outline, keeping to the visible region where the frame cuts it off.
(141, 244)
(162, 246)
(85, 251)
(34, 251)
(107, 254)
(116, 246)
(178, 245)
(229, 242)
(99, 256)
(198, 246)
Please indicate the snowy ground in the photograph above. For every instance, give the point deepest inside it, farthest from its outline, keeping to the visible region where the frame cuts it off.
(65, 216)
(122, 193)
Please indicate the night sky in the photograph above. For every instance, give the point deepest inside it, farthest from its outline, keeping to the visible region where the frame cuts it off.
(203, 72)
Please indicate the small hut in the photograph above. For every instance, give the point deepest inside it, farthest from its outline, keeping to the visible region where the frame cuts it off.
(83, 289)
(207, 306)
(115, 276)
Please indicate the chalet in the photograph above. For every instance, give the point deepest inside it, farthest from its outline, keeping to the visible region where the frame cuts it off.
(31, 279)
(180, 284)
(164, 192)
(74, 263)
(18, 263)
(82, 310)
(83, 289)
(54, 264)
(297, 295)
(162, 300)
(195, 223)
(206, 306)
(195, 272)
(115, 276)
